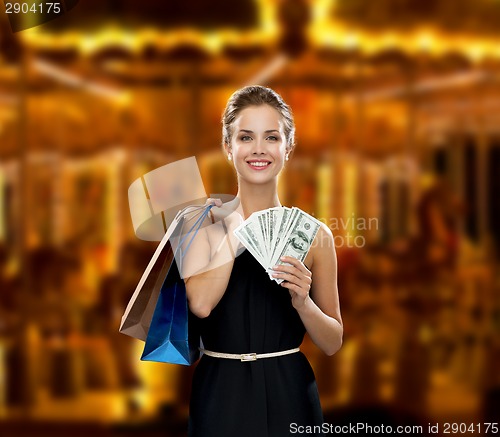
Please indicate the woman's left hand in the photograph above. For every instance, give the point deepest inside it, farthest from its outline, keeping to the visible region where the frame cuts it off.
(297, 278)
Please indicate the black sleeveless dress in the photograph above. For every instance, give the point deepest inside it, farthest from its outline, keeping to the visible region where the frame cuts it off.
(262, 398)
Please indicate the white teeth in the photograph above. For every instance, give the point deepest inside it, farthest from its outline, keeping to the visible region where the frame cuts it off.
(259, 164)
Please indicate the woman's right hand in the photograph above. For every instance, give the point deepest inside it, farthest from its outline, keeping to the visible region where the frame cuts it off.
(226, 219)
(214, 201)
(212, 258)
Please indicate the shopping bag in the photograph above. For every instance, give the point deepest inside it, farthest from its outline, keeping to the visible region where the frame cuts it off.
(173, 336)
(139, 312)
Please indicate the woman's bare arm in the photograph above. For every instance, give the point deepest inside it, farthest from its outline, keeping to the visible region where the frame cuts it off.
(314, 292)
(208, 263)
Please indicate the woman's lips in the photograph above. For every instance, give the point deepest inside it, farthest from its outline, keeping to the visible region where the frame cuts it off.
(258, 165)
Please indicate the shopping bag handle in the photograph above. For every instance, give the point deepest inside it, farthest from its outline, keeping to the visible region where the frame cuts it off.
(197, 224)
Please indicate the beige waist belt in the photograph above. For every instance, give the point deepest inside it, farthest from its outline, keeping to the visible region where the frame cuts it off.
(250, 356)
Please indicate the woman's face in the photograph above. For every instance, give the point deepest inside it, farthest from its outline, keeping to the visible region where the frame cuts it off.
(258, 144)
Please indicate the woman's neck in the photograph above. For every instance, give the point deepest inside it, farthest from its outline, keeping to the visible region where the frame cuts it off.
(257, 197)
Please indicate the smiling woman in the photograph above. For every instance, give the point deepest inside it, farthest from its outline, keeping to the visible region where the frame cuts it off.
(252, 379)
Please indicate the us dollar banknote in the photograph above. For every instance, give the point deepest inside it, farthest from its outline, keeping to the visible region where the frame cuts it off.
(276, 232)
(298, 240)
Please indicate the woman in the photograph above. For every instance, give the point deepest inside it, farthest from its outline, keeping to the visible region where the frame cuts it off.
(241, 312)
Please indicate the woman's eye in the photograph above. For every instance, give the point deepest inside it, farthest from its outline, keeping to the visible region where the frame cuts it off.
(249, 138)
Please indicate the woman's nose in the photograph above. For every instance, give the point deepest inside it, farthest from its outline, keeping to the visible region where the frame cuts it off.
(258, 147)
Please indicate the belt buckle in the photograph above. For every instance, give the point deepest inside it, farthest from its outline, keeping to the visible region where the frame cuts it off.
(248, 357)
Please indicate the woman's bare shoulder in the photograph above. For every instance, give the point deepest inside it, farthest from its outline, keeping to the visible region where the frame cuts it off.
(322, 246)
(324, 238)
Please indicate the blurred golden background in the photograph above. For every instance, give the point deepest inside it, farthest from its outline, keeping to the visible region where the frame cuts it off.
(398, 152)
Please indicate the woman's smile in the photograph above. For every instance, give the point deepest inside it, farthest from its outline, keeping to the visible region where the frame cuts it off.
(258, 164)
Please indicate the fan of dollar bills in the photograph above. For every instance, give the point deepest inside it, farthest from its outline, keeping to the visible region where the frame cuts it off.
(275, 232)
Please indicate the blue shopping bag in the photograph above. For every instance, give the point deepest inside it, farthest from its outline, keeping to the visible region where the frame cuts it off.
(173, 336)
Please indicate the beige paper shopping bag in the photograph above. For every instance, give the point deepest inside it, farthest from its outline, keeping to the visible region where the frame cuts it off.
(139, 312)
